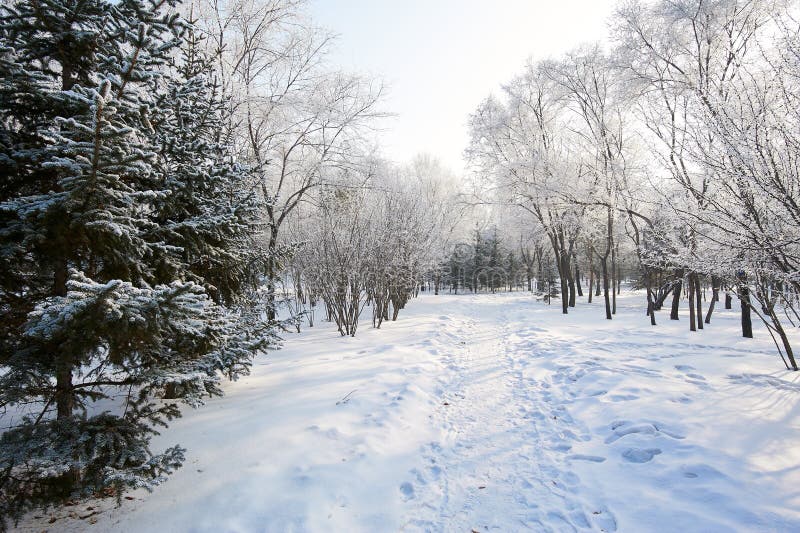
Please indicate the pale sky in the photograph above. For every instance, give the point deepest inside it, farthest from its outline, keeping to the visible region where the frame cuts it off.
(440, 58)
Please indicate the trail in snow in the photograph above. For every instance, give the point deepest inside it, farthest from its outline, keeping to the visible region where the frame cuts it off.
(496, 467)
(486, 413)
(576, 424)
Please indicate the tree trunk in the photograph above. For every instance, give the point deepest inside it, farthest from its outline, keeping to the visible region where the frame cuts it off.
(272, 273)
(714, 298)
(64, 395)
(728, 301)
(65, 401)
(614, 269)
(564, 288)
(663, 293)
(698, 301)
(591, 274)
(676, 296)
(604, 265)
(692, 308)
(787, 347)
(651, 311)
(571, 285)
(747, 321)
(710, 311)
(578, 277)
(598, 287)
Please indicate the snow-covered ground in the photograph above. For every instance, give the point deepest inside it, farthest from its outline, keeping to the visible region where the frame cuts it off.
(488, 413)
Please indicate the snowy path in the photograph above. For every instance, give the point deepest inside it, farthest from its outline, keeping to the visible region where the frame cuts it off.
(495, 466)
(487, 413)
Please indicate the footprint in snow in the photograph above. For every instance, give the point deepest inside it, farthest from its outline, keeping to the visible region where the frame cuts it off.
(590, 458)
(579, 519)
(605, 520)
(640, 455)
(562, 447)
(407, 489)
(623, 428)
(682, 399)
(418, 475)
(560, 521)
(701, 471)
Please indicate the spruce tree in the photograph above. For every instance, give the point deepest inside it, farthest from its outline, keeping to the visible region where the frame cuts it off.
(125, 239)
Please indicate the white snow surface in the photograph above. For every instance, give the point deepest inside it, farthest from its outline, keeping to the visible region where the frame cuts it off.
(487, 413)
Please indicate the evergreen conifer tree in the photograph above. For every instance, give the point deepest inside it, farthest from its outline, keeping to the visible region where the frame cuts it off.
(125, 241)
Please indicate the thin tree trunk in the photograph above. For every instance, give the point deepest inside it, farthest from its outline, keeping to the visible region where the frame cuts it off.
(663, 292)
(597, 288)
(591, 273)
(604, 265)
(787, 347)
(272, 273)
(714, 298)
(698, 301)
(571, 285)
(747, 321)
(564, 288)
(650, 305)
(65, 401)
(614, 273)
(692, 308)
(676, 296)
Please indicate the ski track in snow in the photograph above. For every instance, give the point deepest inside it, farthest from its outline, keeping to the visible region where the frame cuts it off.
(487, 413)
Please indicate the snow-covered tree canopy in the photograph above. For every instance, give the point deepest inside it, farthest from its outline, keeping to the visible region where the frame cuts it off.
(126, 231)
(677, 143)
